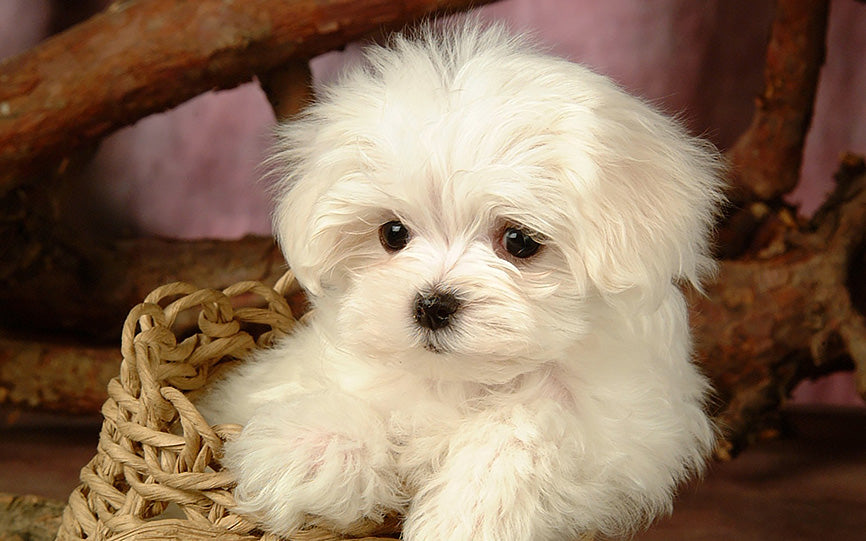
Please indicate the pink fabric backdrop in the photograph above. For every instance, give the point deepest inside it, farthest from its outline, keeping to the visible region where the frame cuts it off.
(193, 171)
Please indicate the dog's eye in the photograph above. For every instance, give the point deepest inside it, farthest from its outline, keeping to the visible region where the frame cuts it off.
(518, 243)
(394, 236)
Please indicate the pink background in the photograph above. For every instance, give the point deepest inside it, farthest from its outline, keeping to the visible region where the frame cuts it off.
(193, 171)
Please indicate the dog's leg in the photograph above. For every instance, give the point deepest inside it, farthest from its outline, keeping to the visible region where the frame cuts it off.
(505, 476)
(320, 457)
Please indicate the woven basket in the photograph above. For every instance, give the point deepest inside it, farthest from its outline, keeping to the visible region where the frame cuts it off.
(156, 474)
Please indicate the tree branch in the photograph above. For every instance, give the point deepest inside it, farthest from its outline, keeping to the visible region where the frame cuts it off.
(53, 376)
(795, 310)
(140, 57)
(766, 158)
(87, 290)
(61, 373)
(289, 89)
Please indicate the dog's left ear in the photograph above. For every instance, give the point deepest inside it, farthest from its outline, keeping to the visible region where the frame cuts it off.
(648, 195)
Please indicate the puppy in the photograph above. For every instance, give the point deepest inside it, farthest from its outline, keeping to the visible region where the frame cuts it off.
(494, 241)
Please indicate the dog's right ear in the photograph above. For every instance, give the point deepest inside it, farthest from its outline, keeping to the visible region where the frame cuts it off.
(323, 205)
(297, 187)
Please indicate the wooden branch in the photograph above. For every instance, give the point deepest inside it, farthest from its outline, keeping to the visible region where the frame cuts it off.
(289, 89)
(143, 56)
(87, 290)
(789, 302)
(53, 376)
(766, 158)
(79, 294)
(794, 311)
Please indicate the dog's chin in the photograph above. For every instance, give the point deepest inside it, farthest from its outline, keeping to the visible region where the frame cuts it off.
(434, 357)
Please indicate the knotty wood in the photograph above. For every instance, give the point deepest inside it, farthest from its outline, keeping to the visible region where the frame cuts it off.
(144, 56)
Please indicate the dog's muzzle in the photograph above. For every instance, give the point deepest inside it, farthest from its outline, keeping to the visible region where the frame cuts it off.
(434, 311)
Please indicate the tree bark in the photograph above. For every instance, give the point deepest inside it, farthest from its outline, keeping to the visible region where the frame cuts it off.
(87, 290)
(766, 159)
(144, 56)
(289, 89)
(793, 310)
(68, 378)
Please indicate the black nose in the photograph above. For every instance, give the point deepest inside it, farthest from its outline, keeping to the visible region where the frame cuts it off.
(434, 311)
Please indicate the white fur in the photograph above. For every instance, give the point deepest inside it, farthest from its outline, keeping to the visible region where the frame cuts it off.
(562, 399)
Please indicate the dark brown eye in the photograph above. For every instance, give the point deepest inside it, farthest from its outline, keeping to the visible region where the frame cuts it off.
(393, 235)
(518, 243)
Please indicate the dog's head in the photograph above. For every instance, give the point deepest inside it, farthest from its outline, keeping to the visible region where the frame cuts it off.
(465, 202)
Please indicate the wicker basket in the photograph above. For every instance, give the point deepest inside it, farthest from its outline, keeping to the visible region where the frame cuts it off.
(155, 474)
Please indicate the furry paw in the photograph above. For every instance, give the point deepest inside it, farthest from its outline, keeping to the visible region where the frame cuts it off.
(320, 459)
(502, 478)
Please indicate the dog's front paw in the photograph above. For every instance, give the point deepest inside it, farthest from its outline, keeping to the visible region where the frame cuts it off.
(334, 467)
(474, 510)
(505, 476)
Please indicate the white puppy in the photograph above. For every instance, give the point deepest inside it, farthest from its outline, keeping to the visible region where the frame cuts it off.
(494, 241)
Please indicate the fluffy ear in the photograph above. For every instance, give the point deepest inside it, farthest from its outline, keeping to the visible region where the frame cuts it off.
(295, 196)
(303, 228)
(325, 203)
(648, 195)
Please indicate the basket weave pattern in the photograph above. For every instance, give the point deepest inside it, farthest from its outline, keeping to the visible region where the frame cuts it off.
(155, 448)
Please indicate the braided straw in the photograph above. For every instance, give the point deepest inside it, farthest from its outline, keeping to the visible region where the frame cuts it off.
(155, 448)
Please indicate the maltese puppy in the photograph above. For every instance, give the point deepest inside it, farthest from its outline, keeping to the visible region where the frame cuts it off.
(494, 242)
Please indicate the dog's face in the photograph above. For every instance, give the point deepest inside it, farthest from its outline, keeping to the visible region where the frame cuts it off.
(466, 209)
